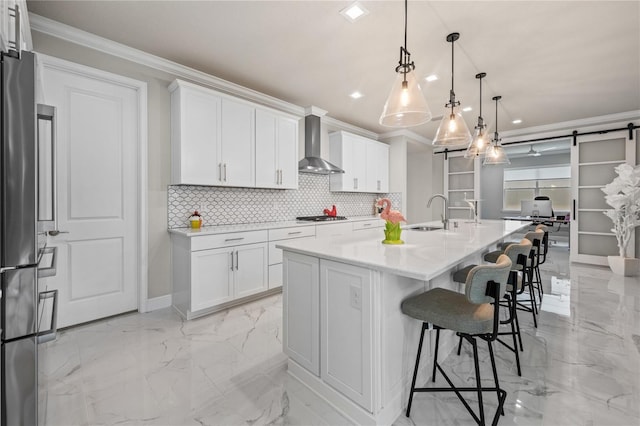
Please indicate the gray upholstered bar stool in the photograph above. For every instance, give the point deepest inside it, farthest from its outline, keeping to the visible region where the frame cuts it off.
(473, 314)
(536, 237)
(518, 253)
(540, 259)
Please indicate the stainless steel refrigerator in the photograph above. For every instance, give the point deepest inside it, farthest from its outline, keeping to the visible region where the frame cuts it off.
(21, 242)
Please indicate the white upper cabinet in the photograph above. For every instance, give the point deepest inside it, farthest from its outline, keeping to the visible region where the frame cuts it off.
(365, 163)
(195, 137)
(276, 150)
(377, 167)
(237, 144)
(216, 139)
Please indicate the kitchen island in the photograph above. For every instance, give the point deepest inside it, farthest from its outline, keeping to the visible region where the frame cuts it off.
(344, 332)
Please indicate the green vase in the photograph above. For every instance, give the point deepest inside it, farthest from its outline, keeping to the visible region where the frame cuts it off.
(392, 233)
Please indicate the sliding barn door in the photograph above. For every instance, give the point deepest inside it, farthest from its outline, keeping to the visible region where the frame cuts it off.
(593, 160)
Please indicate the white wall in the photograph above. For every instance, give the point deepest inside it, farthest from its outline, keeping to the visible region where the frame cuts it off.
(425, 173)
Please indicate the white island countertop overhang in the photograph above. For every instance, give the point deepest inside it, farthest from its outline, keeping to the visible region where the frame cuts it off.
(423, 256)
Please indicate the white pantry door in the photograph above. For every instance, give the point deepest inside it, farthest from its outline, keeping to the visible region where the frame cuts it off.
(97, 166)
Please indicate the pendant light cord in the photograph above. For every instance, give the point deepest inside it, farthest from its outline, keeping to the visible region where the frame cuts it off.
(496, 135)
(405, 24)
(480, 121)
(453, 94)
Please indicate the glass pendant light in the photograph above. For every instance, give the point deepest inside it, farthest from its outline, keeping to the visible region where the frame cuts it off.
(453, 130)
(495, 153)
(405, 106)
(480, 140)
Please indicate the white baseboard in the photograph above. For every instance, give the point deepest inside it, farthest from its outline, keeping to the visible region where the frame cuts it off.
(158, 303)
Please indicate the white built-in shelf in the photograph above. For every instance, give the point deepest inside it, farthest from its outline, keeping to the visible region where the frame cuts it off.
(598, 163)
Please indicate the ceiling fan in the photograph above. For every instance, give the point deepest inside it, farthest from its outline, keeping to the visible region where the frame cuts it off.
(532, 152)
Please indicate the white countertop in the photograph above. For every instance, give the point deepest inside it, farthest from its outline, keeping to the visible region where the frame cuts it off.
(424, 256)
(223, 229)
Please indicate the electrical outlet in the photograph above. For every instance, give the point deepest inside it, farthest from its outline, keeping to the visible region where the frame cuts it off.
(356, 297)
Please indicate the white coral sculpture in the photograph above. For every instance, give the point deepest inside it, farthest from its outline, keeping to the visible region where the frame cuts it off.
(623, 194)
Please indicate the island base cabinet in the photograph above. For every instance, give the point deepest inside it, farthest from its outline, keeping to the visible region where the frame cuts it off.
(301, 315)
(346, 330)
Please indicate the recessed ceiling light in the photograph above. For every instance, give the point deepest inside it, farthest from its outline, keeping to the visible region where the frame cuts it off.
(354, 11)
(431, 77)
(467, 109)
(517, 121)
(356, 95)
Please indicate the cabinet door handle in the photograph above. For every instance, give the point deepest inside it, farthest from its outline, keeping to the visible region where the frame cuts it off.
(355, 183)
(220, 172)
(228, 240)
(280, 177)
(237, 261)
(231, 261)
(378, 185)
(225, 171)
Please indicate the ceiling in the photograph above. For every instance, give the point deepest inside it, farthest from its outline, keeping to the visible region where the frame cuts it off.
(551, 61)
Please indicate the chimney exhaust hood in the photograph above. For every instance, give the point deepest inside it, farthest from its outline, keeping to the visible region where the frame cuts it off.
(312, 163)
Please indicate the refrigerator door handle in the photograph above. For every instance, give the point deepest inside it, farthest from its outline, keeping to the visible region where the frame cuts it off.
(51, 334)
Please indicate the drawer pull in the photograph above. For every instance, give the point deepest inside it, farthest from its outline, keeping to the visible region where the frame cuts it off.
(295, 233)
(366, 224)
(228, 240)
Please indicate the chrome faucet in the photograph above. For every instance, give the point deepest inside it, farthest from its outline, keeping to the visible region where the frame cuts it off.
(445, 216)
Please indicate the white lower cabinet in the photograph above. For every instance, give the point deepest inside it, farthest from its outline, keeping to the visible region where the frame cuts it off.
(275, 254)
(328, 328)
(211, 278)
(210, 272)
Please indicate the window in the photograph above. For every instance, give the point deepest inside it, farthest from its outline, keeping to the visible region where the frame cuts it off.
(526, 184)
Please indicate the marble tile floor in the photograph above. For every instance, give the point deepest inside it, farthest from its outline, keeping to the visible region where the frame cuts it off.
(581, 366)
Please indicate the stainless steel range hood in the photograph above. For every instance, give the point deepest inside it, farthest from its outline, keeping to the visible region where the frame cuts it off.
(312, 163)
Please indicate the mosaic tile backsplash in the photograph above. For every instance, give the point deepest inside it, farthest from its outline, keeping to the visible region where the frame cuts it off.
(230, 206)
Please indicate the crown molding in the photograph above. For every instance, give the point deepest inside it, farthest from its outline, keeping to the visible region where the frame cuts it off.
(314, 110)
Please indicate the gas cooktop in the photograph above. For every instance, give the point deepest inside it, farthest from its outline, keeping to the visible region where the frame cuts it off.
(320, 218)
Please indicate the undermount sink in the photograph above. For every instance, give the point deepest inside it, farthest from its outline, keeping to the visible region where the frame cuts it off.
(424, 228)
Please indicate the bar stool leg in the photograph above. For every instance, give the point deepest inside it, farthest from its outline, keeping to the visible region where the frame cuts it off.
(502, 395)
(478, 381)
(518, 326)
(514, 331)
(415, 370)
(435, 356)
(495, 371)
